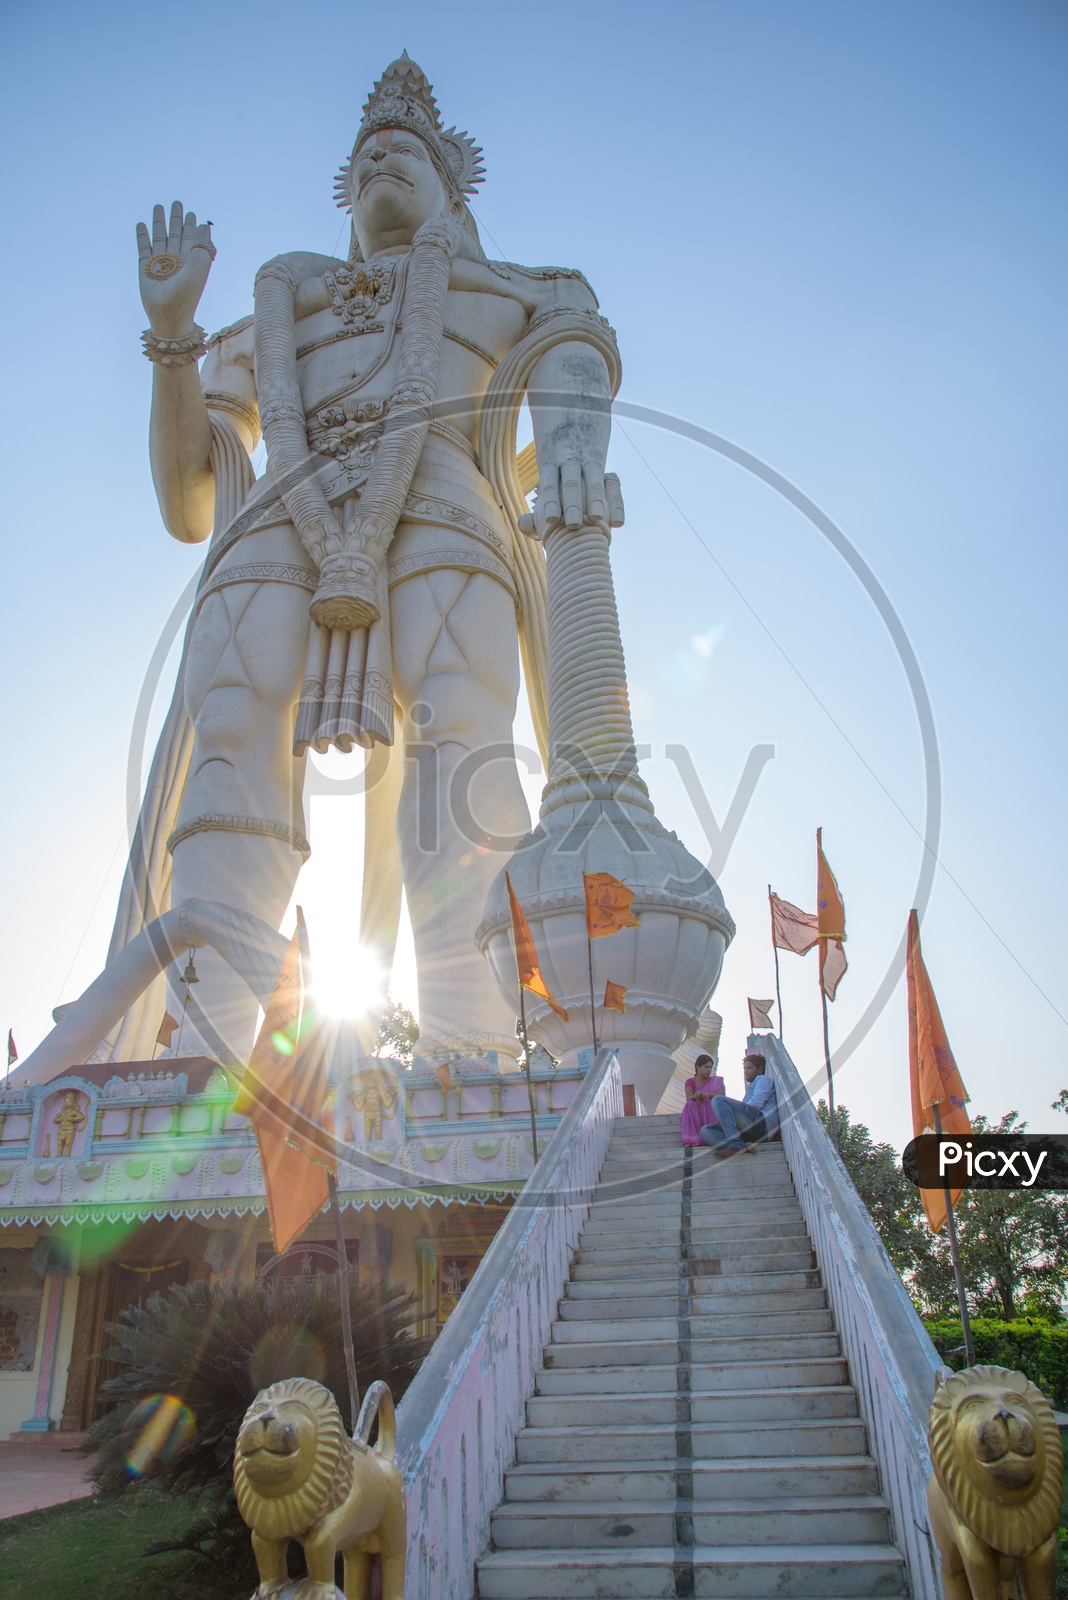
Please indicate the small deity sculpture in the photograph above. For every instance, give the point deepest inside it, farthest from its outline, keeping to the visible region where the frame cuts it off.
(68, 1120)
(373, 588)
(375, 1094)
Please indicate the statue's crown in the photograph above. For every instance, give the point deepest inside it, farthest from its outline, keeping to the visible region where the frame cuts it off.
(403, 98)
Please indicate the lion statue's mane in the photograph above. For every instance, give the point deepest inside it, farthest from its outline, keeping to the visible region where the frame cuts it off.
(1014, 1522)
(328, 1479)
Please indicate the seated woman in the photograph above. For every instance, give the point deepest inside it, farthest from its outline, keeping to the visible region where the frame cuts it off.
(699, 1092)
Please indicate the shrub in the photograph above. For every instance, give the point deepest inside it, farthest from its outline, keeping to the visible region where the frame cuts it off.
(1030, 1345)
(193, 1359)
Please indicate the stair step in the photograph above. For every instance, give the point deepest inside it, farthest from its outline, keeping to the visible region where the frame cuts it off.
(702, 1282)
(577, 1323)
(741, 1571)
(629, 1304)
(724, 1242)
(826, 1477)
(667, 1266)
(722, 1440)
(726, 1378)
(635, 1349)
(739, 1407)
(762, 1214)
(632, 1524)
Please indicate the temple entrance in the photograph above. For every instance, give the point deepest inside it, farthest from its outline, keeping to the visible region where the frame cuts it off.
(156, 1258)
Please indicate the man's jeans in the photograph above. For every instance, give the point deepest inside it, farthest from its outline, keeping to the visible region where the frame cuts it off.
(739, 1125)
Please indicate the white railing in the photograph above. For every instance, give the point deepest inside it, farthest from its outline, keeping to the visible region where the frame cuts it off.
(892, 1362)
(457, 1424)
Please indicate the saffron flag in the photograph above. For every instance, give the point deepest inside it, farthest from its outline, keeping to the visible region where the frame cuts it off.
(760, 1014)
(933, 1076)
(284, 1093)
(12, 1053)
(444, 1076)
(166, 1030)
(607, 905)
(791, 928)
(830, 916)
(526, 956)
(615, 995)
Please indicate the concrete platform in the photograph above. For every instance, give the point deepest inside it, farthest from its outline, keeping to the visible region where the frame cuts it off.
(41, 1470)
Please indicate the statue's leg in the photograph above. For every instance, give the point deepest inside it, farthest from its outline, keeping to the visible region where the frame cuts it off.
(271, 1564)
(357, 1574)
(1038, 1571)
(456, 676)
(241, 827)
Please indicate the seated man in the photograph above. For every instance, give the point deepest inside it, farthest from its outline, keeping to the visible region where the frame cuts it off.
(742, 1123)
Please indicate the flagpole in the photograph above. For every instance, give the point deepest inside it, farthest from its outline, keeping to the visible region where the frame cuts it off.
(593, 1002)
(530, 1082)
(344, 1291)
(951, 1230)
(775, 948)
(343, 1280)
(827, 1050)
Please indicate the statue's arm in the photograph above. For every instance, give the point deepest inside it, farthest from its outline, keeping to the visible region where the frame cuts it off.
(174, 265)
(570, 398)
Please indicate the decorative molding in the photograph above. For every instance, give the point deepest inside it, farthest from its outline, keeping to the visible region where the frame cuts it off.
(232, 824)
(260, 572)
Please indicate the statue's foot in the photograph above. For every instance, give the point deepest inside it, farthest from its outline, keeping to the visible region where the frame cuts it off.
(347, 595)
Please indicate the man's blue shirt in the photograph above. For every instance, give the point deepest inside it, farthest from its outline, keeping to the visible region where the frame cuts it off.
(760, 1096)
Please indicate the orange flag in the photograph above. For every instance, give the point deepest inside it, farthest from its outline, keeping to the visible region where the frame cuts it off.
(607, 905)
(933, 1076)
(284, 1093)
(791, 928)
(615, 995)
(166, 1030)
(760, 1014)
(830, 917)
(526, 956)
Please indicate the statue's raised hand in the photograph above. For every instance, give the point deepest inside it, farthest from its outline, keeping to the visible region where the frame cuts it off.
(174, 268)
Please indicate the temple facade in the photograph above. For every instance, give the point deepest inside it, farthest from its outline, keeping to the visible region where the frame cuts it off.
(120, 1179)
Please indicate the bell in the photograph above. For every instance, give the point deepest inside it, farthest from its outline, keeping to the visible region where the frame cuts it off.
(189, 976)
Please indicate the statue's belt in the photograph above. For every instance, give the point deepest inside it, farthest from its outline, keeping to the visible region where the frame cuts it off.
(266, 507)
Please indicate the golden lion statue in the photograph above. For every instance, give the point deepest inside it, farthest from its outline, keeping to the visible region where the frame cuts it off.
(995, 1491)
(298, 1475)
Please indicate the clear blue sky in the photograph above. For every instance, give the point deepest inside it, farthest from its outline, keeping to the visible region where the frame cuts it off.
(831, 233)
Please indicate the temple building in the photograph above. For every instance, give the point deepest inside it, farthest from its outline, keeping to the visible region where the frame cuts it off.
(123, 1178)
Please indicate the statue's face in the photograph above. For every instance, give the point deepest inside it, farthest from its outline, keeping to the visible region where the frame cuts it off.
(395, 188)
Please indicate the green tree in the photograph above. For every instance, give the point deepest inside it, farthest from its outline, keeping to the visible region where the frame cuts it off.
(1013, 1242)
(1013, 1249)
(398, 1034)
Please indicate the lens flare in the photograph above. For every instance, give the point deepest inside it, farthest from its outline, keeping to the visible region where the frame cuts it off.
(285, 1351)
(349, 981)
(156, 1433)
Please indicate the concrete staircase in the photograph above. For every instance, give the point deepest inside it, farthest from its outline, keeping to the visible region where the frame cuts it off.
(693, 1429)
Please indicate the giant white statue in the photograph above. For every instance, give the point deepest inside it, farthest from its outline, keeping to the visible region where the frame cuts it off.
(377, 587)
(367, 589)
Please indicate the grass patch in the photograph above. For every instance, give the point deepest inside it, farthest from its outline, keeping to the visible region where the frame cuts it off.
(93, 1550)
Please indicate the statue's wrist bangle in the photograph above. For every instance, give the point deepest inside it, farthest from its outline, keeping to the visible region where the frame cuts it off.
(174, 352)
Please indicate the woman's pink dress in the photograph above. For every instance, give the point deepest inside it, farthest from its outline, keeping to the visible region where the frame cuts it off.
(696, 1113)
